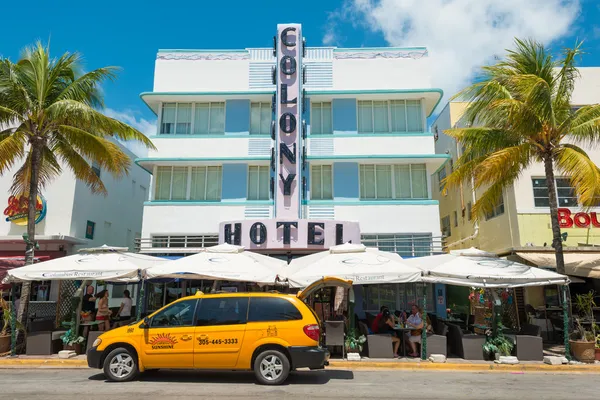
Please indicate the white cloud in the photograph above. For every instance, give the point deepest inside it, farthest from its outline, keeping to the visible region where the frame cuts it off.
(461, 35)
(148, 128)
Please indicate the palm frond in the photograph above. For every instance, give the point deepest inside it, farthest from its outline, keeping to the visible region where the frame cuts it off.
(106, 153)
(584, 127)
(84, 88)
(79, 166)
(487, 201)
(12, 143)
(49, 169)
(565, 82)
(574, 162)
(84, 117)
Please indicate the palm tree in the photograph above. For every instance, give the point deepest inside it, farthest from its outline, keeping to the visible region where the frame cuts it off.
(50, 119)
(520, 113)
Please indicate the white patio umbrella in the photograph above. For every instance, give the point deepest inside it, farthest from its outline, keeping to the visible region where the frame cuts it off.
(106, 263)
(474, 267)
(222, 262)
(354, 262)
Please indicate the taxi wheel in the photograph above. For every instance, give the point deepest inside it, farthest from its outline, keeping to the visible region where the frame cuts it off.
(120, 365)
(271, 367)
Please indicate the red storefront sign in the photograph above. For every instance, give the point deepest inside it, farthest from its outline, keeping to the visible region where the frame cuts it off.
(566, 219)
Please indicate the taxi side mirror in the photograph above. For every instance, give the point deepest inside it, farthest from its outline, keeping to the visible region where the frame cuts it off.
(146, 323)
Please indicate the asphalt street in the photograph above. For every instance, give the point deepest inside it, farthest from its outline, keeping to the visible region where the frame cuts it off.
(330, 384)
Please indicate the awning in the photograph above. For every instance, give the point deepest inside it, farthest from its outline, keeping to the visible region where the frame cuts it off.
(7, 263)
(583, 264)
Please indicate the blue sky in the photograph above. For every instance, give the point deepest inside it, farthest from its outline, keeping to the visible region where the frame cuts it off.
(460, 34)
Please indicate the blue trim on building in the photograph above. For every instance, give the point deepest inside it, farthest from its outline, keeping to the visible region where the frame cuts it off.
(357, 202)
(236, 177)
(345, 180)
(371, 135)
(208, 203)
(379, 157)
(344, 116)
(237, 117)
(221, 136)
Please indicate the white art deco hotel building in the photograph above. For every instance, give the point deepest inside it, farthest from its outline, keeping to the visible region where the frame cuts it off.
(291, 149)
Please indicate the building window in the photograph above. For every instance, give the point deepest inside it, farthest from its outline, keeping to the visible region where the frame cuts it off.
(96, 168)
(260, 118)
(404, 244)
(321, 182)
(197, 118)
(446, 229)
(564, 191)
(176, 118)
(441, 176)
(321, 117)
(89, 230)
(209, 118)
(402, 181)
(397, 296)
(469, 211)
(455, 219)
(390, 116)
(258, 182)
(185, 241)
(498, 209)
(172, 183)
(206, 183)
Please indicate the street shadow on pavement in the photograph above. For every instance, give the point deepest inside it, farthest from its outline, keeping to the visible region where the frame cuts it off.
(296, 378)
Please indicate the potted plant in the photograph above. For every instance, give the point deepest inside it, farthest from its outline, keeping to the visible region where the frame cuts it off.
(597, 345)
(354, 341)
(72, 341)
(583, 340)
(498, 345)
(5, 334)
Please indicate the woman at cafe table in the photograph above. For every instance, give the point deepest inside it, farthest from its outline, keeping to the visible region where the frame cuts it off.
(103, 314)
(415, 322)
(386, 326)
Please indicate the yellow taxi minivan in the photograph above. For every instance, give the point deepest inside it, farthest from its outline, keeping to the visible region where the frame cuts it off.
(269, 333)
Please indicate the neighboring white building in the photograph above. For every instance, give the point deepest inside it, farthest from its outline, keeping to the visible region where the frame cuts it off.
(76, 218)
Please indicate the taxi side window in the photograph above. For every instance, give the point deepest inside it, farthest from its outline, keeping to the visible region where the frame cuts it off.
(264, 309)
(222, 311)
(177, 314)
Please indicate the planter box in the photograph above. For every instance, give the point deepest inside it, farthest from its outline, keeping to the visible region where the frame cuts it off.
(75, 347)
(4, 344)
(583, 351)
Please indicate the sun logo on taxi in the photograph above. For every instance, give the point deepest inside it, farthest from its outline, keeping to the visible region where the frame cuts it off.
(163, 341)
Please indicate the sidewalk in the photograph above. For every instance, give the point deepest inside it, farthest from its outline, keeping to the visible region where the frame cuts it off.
(452, 364)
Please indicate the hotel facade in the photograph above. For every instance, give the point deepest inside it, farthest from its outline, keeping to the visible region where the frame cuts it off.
(289, 149)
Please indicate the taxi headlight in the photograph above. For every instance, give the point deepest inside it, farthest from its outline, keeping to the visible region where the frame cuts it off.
(97, 342)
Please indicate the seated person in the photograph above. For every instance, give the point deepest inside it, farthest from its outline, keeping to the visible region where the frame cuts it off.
(415, 322)
(375, 325)
(386, 326)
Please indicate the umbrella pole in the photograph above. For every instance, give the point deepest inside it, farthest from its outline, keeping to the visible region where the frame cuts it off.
(566, 324)
(13, 321)
(424, 330)
(140, 301)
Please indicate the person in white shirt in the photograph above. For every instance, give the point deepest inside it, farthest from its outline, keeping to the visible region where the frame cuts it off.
(415, 322)
(125, 310)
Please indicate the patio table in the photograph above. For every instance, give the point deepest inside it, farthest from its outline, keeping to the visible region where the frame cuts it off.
(400, 330)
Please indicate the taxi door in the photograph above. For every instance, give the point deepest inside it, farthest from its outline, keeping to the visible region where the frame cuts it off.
(168, 341)
(220, 330)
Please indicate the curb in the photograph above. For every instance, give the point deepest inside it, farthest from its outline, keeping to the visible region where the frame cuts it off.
(354, 365)
(429, 366)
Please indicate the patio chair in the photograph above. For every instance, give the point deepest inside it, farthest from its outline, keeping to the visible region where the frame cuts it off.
(438, 343)
(42, 339)
(466, 346)
(529, 344)
(377, 346)
(557, 329)
(334, 334)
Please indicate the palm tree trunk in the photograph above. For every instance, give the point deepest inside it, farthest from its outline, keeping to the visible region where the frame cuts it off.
(36, 152)
(553, 202)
